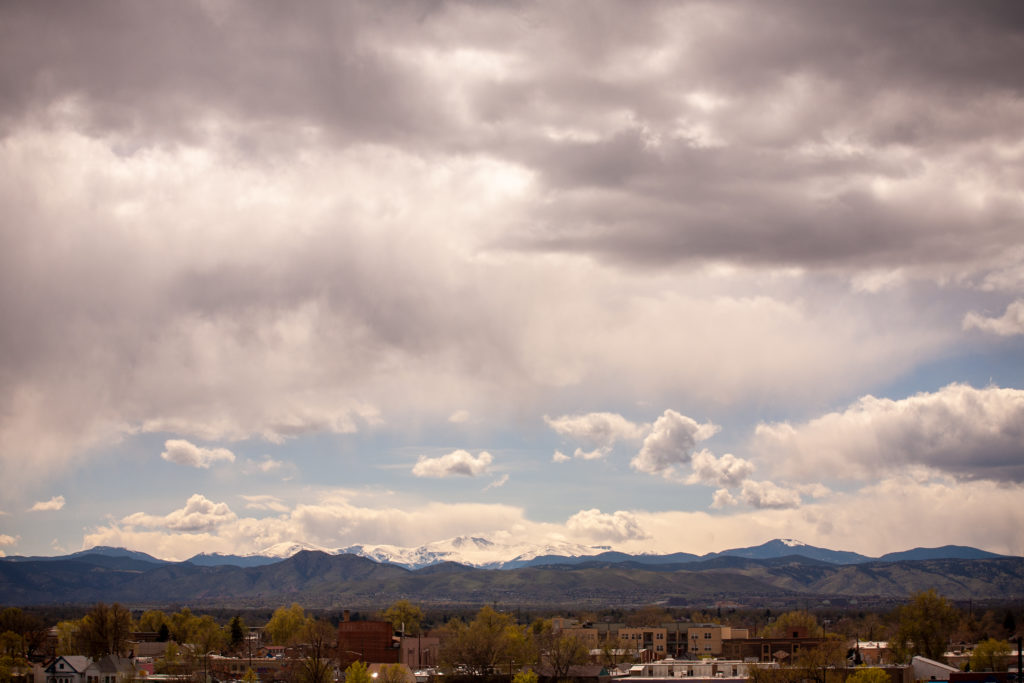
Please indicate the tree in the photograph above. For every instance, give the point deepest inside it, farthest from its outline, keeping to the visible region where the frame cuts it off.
(924, 626)
(559, 651)
(491, 642)
(991, 655)
(358, 672)
(525, 677)
(207, 635)
(649, 615)
(67, 637)
(813, 663)
(404, 616)
(30, 629)
(868, 676)
(105, 630)
(318, 665)
(286, 624)
(153, 620)
(392, 673)
(794, 622)
(182, 624)
(237, 632)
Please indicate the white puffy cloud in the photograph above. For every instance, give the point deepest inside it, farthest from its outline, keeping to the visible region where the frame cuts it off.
(600, 526)
(7, 539)
(559, 456)
(55, 503)
(768, 495)
(199, 515)
(722, 498)
(599, 431)
(182, 452)
(1009, 324)
(458, 462)
(876, 519)
(968, 432)
(727, 471)
(670, 443)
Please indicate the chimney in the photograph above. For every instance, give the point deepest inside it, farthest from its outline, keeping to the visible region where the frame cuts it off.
(345, 615)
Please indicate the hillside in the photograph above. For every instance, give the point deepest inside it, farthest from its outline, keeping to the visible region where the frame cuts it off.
(323, 580)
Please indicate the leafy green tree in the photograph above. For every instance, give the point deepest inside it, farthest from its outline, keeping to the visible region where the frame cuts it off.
(358, 672)
(991, 655)
(868, 676)
(491, 642)
(794, 622)
(182, 624)
(67, 636)
(286, 624)
(152, 620)
(404, 616)
(207, 635)
(924, 627)
(10, 644)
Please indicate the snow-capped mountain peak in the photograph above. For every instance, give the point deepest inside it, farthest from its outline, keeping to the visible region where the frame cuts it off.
(792, 543)
(288, 548)
(475, 551)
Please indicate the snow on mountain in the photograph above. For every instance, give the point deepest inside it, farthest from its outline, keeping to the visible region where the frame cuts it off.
(288, 548)
(469, 550)
(791, 543)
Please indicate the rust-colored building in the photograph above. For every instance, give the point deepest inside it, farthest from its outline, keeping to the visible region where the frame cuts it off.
(367, 641)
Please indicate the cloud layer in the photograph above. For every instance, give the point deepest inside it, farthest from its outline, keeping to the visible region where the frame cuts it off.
(683, 247)
(967, 432)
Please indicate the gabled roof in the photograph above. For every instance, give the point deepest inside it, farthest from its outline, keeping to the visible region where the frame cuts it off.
(74, 664)
(112, 664)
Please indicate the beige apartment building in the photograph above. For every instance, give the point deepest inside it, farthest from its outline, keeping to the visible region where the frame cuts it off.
(706, 640)
(640, 638)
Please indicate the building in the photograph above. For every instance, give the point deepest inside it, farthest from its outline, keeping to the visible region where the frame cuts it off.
(67, 669)
(705, 640)
(420, 652)
(783, 650)
(110, 669)
(367, 641)
(648, 642)
(695, 670)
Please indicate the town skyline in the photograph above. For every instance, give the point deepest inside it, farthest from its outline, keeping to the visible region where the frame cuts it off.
(661, 277)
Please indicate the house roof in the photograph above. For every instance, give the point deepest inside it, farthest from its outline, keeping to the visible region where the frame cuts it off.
(112, 664)
(76, 663)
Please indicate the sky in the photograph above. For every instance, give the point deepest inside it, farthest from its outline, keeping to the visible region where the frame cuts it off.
(658, 277)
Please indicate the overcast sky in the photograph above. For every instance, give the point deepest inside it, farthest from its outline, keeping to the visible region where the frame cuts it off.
(657, 276)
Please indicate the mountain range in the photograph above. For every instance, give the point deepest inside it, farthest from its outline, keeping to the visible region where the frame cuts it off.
(476, 551)
(777, 572)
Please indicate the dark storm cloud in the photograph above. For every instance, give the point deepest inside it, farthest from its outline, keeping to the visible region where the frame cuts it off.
(156, 71)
